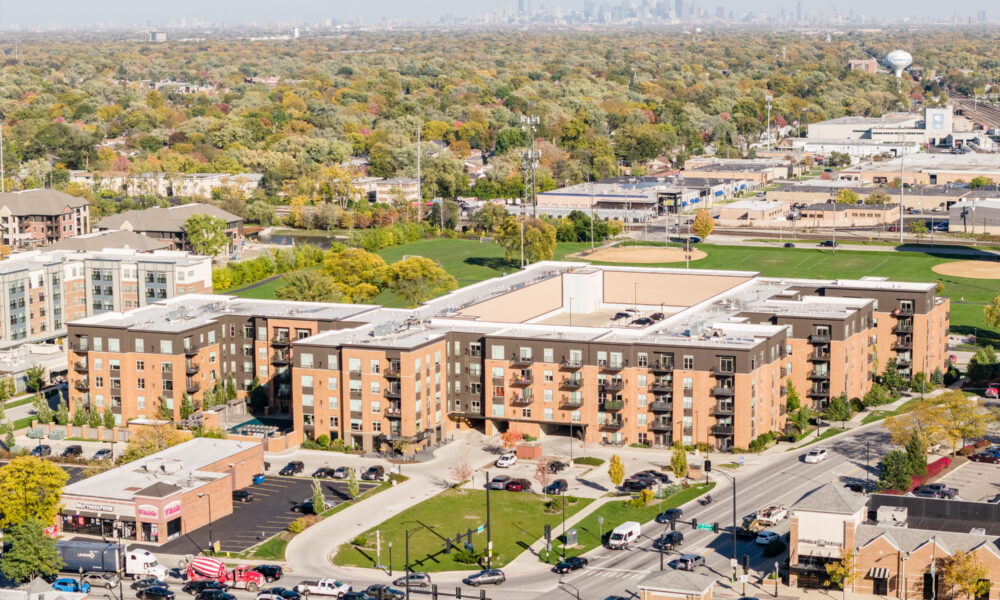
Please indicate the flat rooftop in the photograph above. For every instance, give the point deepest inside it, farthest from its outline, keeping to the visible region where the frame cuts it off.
(971, 162)
(178, 466)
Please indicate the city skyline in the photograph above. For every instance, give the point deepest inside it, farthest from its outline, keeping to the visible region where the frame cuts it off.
(62, 13)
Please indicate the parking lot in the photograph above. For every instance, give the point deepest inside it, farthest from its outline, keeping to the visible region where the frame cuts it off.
(75, 472)
(269, 513)
(975, 481)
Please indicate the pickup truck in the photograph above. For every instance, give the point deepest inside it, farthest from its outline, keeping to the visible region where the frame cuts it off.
(323, 587)
(771, 515)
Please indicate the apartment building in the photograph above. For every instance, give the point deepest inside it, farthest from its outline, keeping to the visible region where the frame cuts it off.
(38, 217)
(615, 355)
(167, 224)
(198, 186)
(40, 291)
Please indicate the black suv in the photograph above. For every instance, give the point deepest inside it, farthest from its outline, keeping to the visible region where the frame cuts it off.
(669, 541)
(375, 473)
(74, 451)
(634, 485)
(293, 468)
(197, 587)
(215, 595)
(270, 573)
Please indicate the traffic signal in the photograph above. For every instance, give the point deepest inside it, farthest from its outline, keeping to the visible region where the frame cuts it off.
(673, 524)
(708, 466)
(715, 528)
(694, 523)
(746, 563)
(548, 532)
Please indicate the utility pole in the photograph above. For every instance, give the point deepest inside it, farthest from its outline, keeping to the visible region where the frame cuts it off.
(902, 185)
(489, 530)
(420, 191)
(530, 161)
(2, 190)
(768, 97)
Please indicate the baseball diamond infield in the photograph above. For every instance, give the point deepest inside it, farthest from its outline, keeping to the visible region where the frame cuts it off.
(973, 269)
(640, 254)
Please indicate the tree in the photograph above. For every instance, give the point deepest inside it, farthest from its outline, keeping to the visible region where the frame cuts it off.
(319, 500)
(918, 227)
(926, 420)
(30, 488)
(150, 439)
(980, 182)
(876, 396)
(983, 364)
(679, 461)
(963, 418)
(992, 312)
(878, 197)
(542, 476)
(461, 472)
(916, 455)
(847, 196)
(109, 418)
(539, 239)
(616, 470)
(511, 438)
(62, 414)
(417, 279)
(43, 412)
(839, 409)
(966, 572)
(792, 401)
(890, 375)
(356, 273)
(8, 439)
(840, 573)
(36, 378)
(703, 224)
(488, 218)
(31, 554)
(187, 407)
(206, 234)
(307, 286)
(352, 482)
(894, 472)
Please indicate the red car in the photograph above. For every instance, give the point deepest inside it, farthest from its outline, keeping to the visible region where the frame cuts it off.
(985, 457)
(993, 391)
(518, 485)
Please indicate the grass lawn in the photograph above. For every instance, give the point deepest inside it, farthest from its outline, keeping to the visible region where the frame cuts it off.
(272, 549)
(878, 415)
(830, 432)
(518, 520)
(590, 530)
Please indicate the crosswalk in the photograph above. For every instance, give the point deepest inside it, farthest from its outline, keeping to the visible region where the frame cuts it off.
(610, 573)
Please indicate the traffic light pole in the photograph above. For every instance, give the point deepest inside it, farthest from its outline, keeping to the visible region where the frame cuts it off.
(732, 478)
(489, 531)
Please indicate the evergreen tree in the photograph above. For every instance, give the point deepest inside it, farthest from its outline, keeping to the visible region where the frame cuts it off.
(352, 483)
(319, 500)
(792, 402)
(109, 418)
(916, 455)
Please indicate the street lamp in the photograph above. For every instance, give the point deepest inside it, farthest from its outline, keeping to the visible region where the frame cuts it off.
(563, 494)
(211, 538)
(732, 478)
(390, 558)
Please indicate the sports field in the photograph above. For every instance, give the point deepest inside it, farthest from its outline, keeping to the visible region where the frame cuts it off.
(472, 261)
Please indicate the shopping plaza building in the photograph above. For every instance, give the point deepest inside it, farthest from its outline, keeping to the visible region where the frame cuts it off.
(615, 355)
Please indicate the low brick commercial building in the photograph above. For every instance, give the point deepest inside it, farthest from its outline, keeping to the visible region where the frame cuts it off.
(897, 559)
(165, 495)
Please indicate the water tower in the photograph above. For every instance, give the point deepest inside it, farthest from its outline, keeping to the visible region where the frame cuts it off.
(898, 60)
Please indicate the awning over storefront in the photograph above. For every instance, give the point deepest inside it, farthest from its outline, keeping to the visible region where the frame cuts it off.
(879, 573)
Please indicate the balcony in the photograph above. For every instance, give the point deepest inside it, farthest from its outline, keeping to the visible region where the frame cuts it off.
(612, 405)
(903, 361)
(819, 357)
(522, 380)
(190, 351)
(613, 367)
(903, 343)
(820, 375)
(393, 412)
(191, 368)
(392, 371)
(571, 383)
(612, 385)
(783, 372)
(393, 392)
(661, 425)
(521, 400)
(722, 430)
(903, 327)
(568, 402)
(80, 367)
(722, 390)
(661, 367)
(903, 311)
(193, 387)
(571, 365)
(723, 408)
(281, 359)
(721, 371)
(79, 349)
(280, 341)
(819, 338)
(662, 387)
(660, 406)
(522, 361)
(83, 385)
(819, 393)
(613, 424)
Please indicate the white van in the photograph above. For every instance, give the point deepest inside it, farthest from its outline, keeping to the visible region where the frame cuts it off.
(623, 535)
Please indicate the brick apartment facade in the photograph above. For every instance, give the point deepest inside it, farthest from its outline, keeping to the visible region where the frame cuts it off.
(38, 217)
(539, 351)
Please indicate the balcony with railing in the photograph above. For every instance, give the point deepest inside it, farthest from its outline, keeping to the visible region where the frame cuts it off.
(612, 385)
(612, 405)
(392, 371)
(661, 387)
(904, 360)
(660, 367)
(520, 360)
(613, 366)
(522, 400)
(571, 365)
(281, 358)
(190, 351)
(79, 348)
(722, 371)
(903, 342)
(819, 338)
(280, 341)
(393, 392)
(819, 356)
(903, 311)
(613, 424)
(191, 368)
(80, 367)
(393, 411)
(819, 375)
(193, 387)
(522, 380)
(572, 383)
(569, 402)
(723, 390)
(819, 392)
(722, 430)
(660, 406)
(723, 408)
(82, 384)
(903, 326)
(661, 425)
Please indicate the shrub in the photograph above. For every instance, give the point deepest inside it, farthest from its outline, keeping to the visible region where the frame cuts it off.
(981, 443)
(463, 556)
(761, 442)
(640, 501)
(963, 451)
(774, 548)
(638, 445)
(937, 466)
(592, 461)
(361, 540)
(323, 440)
(298, 525)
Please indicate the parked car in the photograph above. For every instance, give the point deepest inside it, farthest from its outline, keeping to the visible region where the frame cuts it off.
(198, 586)
(507, 460)
(940, 489)
(380, 591)
(103, 454)
(829, 244)
(323, 587)
(258, 478)
(570, 564)
(621, 315)
(789, 245)
(374, 473)
(105, 580)
(766, 537)
(155, 593)
(993, 391)
(68, 584)
(215, 595)
(242, 496)
(694, 239)
(518, 485)
(148, 582)
(282, 593)
(657, 316)
(641, 321)
(306, 506)
(633, 485)
(688, 562)
(270, 573)
(415, 579)
(555, 466)
(74, 451)
(293, 468)
(655, 475)
(815, 455)
(669, 515)
(41, 450)
(499, 482)
(322, 472)
(925, 494)
(985, 457)
(341, 473)
(494, 576)
(670, 540)
(558, 486)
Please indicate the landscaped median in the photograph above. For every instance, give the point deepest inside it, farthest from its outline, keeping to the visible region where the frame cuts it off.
(517, 519)
(590, 529)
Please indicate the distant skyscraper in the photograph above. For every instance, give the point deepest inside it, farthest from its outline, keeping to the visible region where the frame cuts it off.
(798, 11)
(720, 12)
(679, 9)
(520, 8)
(981, 16)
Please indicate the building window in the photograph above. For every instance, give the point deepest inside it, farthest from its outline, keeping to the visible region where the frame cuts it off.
(354, 365)
(307, 399)
(140, 383)
(688, 363)
(140, 346)
(307, 381)
(547, 355)
(140, 365)
(306, 360)
(496, 352)
(166, 347)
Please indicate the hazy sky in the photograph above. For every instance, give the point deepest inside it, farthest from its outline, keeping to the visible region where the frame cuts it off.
(84, 12)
